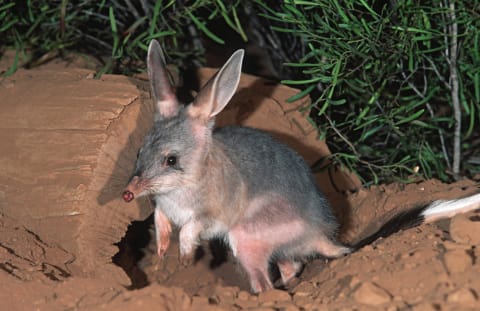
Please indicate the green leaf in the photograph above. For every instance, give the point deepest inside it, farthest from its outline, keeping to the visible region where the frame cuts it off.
(337, 102)
(8, 25)
(13, 68)
(372, 12)
(113, 27)
(301, 94)
(299, 82)
(410, 118)
(7, 6)
(341, 12)
(204, 29)
(362, 114)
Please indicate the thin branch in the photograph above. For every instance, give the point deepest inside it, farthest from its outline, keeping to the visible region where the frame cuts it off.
(430, 111)
(132, 9)
(457, 139)
(446, 32)
(437, 73)
(334, 128)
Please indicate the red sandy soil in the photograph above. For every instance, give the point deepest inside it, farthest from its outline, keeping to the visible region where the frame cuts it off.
(430, 267)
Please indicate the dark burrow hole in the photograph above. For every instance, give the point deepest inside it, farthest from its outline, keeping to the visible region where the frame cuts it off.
(135, 245)
(132, 249)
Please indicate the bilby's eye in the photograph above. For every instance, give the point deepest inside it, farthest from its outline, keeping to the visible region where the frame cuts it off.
(171, 160)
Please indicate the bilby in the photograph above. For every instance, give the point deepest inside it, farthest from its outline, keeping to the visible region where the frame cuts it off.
(239, 184)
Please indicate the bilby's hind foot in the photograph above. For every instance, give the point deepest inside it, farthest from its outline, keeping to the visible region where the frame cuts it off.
(253, 256)
(330, 249)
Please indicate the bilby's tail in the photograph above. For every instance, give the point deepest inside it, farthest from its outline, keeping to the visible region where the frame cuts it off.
(422, 214)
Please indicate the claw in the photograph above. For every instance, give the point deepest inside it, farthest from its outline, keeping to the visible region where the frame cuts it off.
(187, 260)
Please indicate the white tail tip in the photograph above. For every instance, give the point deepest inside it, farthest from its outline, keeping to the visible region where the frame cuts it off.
(447, 209)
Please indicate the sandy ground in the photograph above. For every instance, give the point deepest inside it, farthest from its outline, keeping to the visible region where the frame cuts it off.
(430, 267)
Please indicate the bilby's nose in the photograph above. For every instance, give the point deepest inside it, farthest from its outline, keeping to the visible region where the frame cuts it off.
(128, 196)
(129, 193)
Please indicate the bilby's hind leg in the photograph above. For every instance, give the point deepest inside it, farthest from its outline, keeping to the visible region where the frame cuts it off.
(268, 223)
(254, 257)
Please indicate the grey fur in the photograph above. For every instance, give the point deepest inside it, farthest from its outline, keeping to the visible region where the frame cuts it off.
(237, 183)
(240, 184)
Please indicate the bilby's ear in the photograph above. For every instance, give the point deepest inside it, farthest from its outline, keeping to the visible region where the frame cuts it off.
(166, 102)
(218, 91)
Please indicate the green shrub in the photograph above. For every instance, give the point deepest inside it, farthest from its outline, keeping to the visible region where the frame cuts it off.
(395, 85)
(382, 77)
(117, 32)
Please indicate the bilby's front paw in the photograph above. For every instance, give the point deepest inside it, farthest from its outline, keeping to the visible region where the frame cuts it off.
(162, 245)
(187, 259)
(162, 232)
(189, 235)
(187, 254)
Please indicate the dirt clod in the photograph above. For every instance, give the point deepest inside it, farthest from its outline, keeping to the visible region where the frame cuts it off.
(274, 295)
(371, 294)
(464, 229)
(457, 260)
(463, 296)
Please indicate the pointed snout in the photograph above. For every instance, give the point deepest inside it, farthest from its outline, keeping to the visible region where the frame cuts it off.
(134, 188)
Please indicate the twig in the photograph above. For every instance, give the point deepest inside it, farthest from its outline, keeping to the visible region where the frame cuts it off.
(334, 128)
(430, 111)
(132, 9)
(146, 9)
(437, 73)
(442, 139)
(445, 31)
(453, 31)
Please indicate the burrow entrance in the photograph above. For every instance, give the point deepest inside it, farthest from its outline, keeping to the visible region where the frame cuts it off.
(213, 266)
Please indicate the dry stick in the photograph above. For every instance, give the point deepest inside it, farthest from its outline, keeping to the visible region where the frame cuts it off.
(131, 9)
(345, 139)
(147, 8)
(352, 147)
(430, 111)
(453, 31)
(437, 73)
